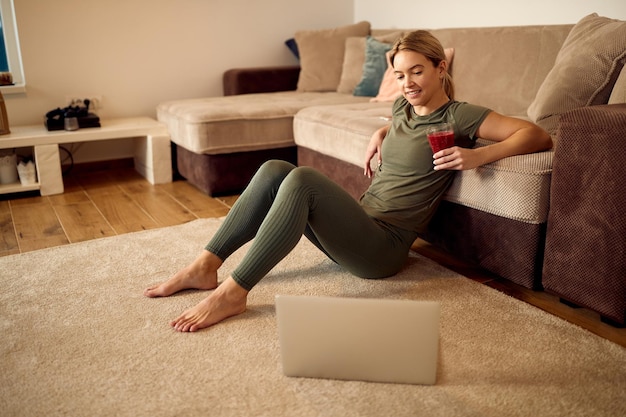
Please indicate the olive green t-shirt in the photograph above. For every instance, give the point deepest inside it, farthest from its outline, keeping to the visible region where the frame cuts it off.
(406, 189)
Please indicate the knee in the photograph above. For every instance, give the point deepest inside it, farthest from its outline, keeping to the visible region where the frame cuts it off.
(272, 173)
(276, 167)
(301, 177)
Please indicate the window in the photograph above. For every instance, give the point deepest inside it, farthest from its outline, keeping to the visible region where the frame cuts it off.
(10, 57)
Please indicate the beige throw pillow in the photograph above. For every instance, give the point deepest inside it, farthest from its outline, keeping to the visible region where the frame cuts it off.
(321, 55)
(352, 67)
(584, 72)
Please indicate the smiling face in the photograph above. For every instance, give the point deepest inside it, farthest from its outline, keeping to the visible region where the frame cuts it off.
(420, 80)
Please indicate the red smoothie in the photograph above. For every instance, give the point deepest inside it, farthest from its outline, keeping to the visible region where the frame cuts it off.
(441, 140)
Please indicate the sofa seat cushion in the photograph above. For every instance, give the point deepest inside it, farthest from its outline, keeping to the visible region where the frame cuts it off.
(517, 188)
(341, 131)
(248, 122)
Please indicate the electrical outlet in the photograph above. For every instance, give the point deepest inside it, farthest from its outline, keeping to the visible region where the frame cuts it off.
(95, 101)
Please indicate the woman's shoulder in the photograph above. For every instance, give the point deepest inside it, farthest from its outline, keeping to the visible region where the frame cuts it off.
(400, 102)
(463, 105)
(467, 117)
(400, 106)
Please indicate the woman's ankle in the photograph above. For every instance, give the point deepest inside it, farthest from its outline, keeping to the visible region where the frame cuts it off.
(209, 261)
(232, 290)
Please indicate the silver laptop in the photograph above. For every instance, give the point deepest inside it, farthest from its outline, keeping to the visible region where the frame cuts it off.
(374, 340)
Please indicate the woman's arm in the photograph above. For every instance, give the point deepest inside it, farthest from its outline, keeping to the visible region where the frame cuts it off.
(374, 148)
(512, 136)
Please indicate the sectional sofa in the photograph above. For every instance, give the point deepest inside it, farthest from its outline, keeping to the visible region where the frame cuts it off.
(519, 218)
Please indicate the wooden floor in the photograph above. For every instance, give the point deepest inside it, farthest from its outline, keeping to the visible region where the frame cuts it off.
(117, 200)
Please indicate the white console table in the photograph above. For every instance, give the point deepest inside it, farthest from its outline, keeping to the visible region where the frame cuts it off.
(152, 150)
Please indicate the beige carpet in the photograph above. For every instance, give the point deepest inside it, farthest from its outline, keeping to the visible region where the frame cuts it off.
(79, 339)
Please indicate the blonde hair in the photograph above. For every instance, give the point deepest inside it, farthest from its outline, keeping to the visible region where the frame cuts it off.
(423, 42)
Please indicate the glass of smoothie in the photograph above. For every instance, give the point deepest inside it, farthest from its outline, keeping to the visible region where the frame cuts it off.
(440, 136)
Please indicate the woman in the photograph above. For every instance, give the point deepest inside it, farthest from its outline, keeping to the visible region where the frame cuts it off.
(370, 238)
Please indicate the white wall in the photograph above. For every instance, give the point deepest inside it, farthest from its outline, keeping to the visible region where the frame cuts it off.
(480, 13)
(137, 53)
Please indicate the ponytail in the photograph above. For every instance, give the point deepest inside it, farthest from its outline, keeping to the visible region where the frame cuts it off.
(448, 85)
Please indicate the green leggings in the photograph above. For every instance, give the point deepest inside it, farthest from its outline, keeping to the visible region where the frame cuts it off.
(283, 202)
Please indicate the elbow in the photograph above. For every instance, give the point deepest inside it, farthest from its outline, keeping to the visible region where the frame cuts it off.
(542, 139)
(547, 140)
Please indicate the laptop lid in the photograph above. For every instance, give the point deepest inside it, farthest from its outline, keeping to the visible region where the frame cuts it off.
(374, 340)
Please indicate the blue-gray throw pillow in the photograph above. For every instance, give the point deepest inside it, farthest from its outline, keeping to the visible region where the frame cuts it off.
(373, 68)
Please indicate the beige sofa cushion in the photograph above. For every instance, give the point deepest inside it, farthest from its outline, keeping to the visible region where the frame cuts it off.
(585, 70)
(340, 131)
(240, 123)
(352, 67)
(518, 57)
(516, 188)
(321, 55)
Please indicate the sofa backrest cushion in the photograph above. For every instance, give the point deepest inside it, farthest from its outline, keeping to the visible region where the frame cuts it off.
(585, 70)
(501, 67)
(321, 55)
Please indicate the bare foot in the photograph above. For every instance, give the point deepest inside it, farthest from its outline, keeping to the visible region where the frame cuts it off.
(228, 300)
(201, 274)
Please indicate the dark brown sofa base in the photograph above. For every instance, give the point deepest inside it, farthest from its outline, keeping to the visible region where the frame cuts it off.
(226, 173)
(505, 247)
(585, 260)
